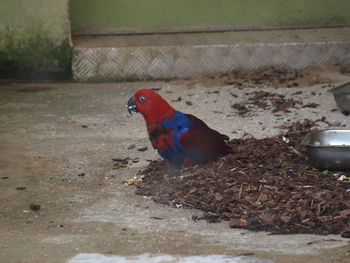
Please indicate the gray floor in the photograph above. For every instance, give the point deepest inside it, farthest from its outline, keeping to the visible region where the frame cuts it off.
(51, 133)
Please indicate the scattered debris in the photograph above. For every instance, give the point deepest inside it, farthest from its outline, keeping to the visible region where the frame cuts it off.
(124, 162)
(156, 217)
(120, 162)
(282, 126)
(270, 76)
(242, 108)
(133, 181)
(142, 149)
(132, 146)
(265, 100)
(177, 100)
(35, 207)
(311, 105)
(330, 124)
(344, 178)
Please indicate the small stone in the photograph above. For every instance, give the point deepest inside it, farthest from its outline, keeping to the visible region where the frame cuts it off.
(142, 149)
(132, 146)
(35, 207)
(235, 223)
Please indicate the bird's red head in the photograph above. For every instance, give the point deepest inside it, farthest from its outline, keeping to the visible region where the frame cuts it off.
(150, 104)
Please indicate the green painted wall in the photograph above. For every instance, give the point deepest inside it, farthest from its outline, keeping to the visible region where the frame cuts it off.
(164, 14)
(34, 39)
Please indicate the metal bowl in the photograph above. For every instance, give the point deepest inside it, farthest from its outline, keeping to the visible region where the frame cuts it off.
(329, 149)
(342, 97)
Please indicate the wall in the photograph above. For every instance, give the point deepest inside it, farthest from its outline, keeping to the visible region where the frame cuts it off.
(146, 15)
(34, 39)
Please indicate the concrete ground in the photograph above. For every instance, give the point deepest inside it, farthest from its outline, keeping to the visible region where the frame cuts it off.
(58, 141)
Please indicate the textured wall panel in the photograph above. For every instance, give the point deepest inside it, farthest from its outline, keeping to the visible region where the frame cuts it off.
(184, 61)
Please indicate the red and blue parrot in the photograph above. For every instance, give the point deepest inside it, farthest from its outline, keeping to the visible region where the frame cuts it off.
(180, 139)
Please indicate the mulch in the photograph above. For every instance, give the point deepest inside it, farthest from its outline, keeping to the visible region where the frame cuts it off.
(267, 185)
(267, 100)
(268, 77)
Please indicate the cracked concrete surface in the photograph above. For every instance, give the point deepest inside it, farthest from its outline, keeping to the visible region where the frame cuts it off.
(58, 141)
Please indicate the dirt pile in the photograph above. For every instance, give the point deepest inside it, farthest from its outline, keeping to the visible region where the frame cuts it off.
(267, 185)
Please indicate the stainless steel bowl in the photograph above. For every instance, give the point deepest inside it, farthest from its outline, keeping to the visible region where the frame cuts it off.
(342, 97)
(329, 149)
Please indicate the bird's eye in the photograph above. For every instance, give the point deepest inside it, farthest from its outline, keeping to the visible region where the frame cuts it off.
(142, 99)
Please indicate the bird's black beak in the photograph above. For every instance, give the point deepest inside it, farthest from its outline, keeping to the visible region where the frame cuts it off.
(131, 106)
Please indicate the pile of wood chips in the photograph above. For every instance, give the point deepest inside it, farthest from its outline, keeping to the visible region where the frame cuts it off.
(267, 185)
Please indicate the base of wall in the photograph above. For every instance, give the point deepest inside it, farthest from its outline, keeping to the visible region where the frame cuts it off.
(176, 56)
(26, 62)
